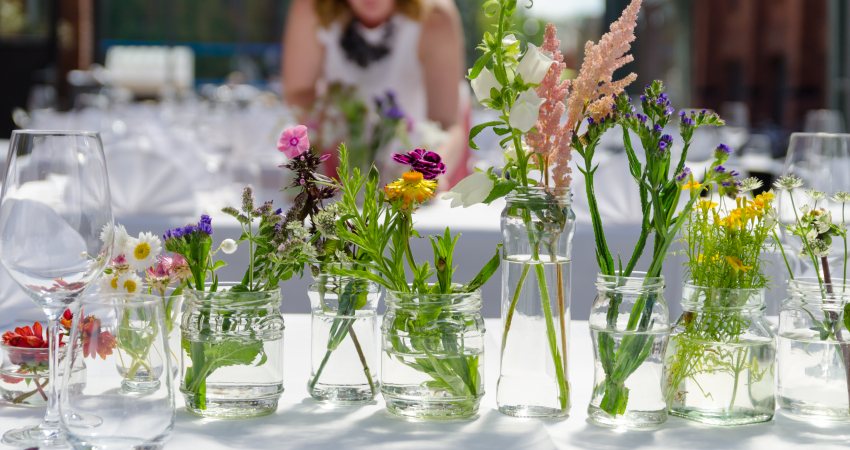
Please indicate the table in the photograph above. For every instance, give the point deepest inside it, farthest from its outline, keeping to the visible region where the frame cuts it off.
(301, 423)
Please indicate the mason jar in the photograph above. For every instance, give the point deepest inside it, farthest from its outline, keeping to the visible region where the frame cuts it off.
(537, 229)
(720, 361)
(432, 364)
(24, 378)
(629, 326)
(343, 339)
(232, 359)
(813, 354)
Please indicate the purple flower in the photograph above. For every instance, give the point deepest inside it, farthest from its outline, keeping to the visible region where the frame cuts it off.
(720, 169)
(642, 118)
(428, 163)
(665, 143)
(734, 173)
(657, 128)
(278, 211)
(724, 148)
(205, 225)
(684, 174)
(590, 121)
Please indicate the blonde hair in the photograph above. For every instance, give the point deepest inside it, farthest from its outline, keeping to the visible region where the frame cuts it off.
(332, 10)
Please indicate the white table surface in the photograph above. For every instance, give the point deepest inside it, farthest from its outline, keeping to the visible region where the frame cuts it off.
(302, 423)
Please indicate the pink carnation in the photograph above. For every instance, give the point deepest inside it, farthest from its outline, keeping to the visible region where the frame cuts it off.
(294, 141)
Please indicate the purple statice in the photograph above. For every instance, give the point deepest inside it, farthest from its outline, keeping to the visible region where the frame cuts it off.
(657, 128)
(174, 233)
(426, 162)
(724, 148)
(686, 172)
(665, 143)
(388, 107)
(720, 169)
(734, 173)
(205, 225)
(590, 121)
(642, 117)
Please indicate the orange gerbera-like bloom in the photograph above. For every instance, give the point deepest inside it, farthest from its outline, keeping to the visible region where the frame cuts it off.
(411, 188)
(96, 341)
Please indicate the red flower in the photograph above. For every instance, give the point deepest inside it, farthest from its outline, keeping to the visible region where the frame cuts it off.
(24, 338)
(96, 341)
(66, 319)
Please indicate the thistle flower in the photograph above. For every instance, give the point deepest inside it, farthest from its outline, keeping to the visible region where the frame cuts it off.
(841, 197)
(750, 184)
(788, 183)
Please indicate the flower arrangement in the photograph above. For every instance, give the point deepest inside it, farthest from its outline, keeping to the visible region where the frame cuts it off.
(814, 228)
(26, 349)
(382, 230)
(724, 245)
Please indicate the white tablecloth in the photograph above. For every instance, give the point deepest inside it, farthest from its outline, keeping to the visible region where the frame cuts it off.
(301, 423)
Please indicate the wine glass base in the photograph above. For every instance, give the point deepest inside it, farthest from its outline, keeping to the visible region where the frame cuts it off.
(37, 436)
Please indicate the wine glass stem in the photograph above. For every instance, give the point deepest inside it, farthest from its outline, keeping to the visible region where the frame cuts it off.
(51, 416)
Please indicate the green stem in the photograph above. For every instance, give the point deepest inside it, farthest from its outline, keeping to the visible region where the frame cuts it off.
(550, 333)
(509, 316)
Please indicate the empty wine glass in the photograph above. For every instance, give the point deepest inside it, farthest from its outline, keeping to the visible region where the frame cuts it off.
(54, 205)
(129, 331)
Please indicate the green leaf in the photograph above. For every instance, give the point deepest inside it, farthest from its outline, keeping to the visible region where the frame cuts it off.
(232, 352)
(479, 65)
(500, 189)
(847, 316)
(218, 265)
(486, 272)
(477, 129)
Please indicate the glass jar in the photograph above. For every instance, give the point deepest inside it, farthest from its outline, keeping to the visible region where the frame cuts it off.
(719, 366)
(432, 363)
(629, 326)
(343, 339)
(813, 354)
(232, 360)
(24, 378)
(537, 231)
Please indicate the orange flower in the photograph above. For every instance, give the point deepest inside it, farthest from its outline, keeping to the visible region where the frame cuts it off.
(411, 188)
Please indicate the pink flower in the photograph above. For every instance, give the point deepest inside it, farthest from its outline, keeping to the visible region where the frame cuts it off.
(294, 141)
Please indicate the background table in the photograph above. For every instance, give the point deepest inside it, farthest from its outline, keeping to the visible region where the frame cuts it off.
(302, 423)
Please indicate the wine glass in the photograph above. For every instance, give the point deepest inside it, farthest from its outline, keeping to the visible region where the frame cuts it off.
(55, 205)
(822, 162)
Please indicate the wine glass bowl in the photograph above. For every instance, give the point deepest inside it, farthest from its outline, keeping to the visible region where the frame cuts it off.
(55, 204)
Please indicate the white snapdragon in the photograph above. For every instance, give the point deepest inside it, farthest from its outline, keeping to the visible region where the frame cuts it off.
(471, 190)
(483, 84)
(534, 65)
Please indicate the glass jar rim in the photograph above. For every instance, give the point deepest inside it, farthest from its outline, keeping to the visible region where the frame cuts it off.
(454, 300)
(226, 298)
(24, 349)
(109, 298)
(326, 279)
(811, 290)
(68, 133)
(536, 192)
(637, 280)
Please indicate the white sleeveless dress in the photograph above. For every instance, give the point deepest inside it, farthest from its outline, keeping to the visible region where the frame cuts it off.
(400, 71)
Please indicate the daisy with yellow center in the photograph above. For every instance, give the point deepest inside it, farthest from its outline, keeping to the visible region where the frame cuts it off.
(129, 283)
(141, 253)
(411, 188)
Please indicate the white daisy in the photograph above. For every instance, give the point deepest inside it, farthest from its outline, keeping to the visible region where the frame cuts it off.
(141, 253)
(128, 283)
(116, 234)
(109, 283)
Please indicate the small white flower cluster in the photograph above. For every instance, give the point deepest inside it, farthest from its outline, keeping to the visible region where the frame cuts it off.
(131, 255)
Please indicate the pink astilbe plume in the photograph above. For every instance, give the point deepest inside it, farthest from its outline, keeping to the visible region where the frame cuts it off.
(550, 138)
(593, 90)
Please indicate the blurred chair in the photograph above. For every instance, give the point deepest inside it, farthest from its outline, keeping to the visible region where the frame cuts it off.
(151, 71)
(824, 121)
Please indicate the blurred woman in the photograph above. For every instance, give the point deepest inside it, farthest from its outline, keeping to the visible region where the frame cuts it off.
(412, 48)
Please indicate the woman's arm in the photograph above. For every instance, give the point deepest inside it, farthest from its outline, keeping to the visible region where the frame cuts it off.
(302, 54)
(441, 53)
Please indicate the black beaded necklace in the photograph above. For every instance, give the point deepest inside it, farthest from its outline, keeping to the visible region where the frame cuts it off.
(359, 50)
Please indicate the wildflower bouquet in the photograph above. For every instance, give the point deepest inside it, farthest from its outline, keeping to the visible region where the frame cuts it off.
(725, 244)
(421, 329)
(26, 356)
(817, 233)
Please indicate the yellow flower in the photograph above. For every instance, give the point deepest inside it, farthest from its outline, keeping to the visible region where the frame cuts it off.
(691, 184)
(737, 264)
(411, 187)
(763, 200)
(706, 205)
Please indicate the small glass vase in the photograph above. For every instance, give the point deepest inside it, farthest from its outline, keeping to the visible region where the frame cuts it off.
(140, 366)
(343, 340)
(432, 364)
(813, 354)
(24, 378)
(719, 365)
(537, 230)
(629, 326)
(232, 359)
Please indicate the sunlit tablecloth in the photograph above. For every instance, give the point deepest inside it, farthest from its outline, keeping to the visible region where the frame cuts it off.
(301, 423)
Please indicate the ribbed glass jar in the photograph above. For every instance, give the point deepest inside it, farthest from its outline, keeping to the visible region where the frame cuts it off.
(432, 364)
(343, 340)
(629, 327)
(232, 362)
(537, 230)
(813, 352)
(719, 365)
